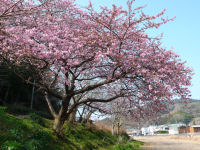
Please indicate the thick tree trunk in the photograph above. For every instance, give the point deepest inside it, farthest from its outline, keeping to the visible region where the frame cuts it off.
(72, 117)
(59, 121)
(58, 125)
(60, 118)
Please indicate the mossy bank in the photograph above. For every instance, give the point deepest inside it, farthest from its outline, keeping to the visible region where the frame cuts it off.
(34, 133)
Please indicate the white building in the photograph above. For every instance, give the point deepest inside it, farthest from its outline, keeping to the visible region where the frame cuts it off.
(173, 128)
(151, 130)
(144, 131)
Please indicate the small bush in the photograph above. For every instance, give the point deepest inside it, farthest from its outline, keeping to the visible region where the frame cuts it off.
(36, 118)
(162, 132)
(137, 144)
(42, 136)
(11, 145)
(3, 109)
(34, 144)
(16, 133)
(123, 147)
(125, 137)
(3, 137)
(87, 145)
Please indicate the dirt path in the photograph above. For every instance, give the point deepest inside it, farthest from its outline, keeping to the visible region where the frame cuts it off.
(170, 143)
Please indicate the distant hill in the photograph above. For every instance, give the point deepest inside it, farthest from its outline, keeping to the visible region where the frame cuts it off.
(185, 112)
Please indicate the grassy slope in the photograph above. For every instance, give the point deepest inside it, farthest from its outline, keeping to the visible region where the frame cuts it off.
(29, 135)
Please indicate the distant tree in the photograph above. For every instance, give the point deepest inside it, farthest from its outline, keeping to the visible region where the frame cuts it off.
(120, 112)
(72, 51)
(187, 118)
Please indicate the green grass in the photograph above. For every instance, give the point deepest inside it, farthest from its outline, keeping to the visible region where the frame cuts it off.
(162, 132)
(35, 133)
(130, 145)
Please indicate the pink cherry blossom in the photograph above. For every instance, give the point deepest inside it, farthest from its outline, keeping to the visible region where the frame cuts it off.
(80, 51)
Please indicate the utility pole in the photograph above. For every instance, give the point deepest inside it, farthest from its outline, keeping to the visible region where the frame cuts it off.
(32, 96)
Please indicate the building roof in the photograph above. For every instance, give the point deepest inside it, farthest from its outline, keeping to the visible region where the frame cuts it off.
(176, 125)
(195, 126)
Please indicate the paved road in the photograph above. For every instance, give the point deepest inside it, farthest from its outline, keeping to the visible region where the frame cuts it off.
(170, 143)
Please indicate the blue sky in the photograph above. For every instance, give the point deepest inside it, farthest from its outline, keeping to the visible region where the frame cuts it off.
(183, 34)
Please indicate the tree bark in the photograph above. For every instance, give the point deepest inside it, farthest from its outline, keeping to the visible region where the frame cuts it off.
(118, 128)
(58, 125)
(113, 129)
(61, 117)
(88, 116)
(51, 109)
(59, 122)
(72, 117)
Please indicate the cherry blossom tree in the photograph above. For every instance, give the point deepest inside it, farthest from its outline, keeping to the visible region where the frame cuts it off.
(71, 51)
